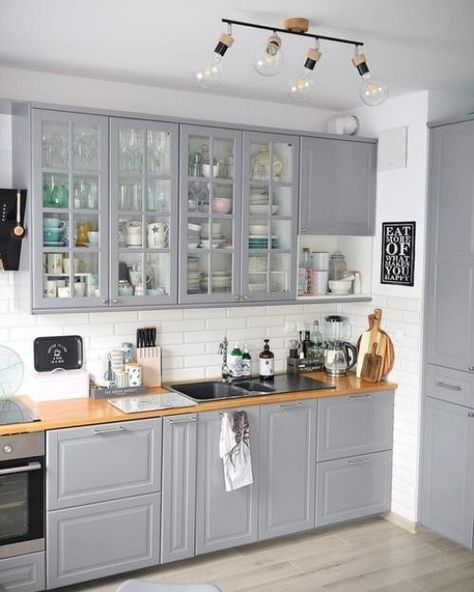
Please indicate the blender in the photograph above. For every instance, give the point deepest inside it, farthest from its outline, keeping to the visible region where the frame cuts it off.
(340, 355)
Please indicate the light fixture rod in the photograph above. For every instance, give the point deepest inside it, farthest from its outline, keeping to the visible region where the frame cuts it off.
(279, 30)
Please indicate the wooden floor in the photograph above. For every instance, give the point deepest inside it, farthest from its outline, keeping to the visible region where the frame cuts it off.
(370, 556)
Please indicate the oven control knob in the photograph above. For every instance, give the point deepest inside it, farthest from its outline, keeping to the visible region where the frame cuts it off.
(7, 449)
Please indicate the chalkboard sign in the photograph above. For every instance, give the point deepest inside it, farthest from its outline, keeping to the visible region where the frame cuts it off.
(398, 253)
(64, 351)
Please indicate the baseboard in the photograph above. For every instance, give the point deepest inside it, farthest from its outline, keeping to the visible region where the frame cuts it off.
(401, 522)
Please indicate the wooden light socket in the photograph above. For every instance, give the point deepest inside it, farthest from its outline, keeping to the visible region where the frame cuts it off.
(226, 39)
(359, 59)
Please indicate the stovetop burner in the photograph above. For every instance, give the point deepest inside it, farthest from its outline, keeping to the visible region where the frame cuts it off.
(14, 411)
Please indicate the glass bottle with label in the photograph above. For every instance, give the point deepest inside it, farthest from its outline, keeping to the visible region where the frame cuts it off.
(246, 362)
(235, 361)
(266, 362)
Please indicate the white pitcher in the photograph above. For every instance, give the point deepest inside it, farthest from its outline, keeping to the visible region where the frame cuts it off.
(133, 234)
(158, 235)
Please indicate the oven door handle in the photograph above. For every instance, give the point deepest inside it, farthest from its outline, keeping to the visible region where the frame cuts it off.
(34, 466)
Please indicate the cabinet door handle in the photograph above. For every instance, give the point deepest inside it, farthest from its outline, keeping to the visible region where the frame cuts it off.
(115, 301)
(358, 461)
(470, 414)
(34, 466)
(303, 230)
(471, 368)
(355, 397)
(109, 430)
(104, 301)
(446, 385)
(191, 419)
(296, 405)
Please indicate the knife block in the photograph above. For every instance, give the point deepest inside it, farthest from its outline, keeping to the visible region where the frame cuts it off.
(149, 359)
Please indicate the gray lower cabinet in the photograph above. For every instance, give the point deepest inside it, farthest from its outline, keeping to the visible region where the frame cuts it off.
(179, 487)
(354, 487)
(337, 186)
(447, 504)
(25, 573)
(102, 539)
(354, 424)
(103, 462)
(224, 519)
(287, 468)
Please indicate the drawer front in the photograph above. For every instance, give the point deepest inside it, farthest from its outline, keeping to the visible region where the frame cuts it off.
(25, 573)
(102, 539)
(353, 487)
(355, 424)
(452, 386)
(103, 462)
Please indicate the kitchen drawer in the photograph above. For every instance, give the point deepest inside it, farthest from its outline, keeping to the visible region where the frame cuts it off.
(102, 539)
(353, 487)
(25, 573)
(452, 386)
(103, 462)
(354, 424)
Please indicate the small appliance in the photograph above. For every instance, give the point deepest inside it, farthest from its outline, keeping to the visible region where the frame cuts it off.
(340, 355)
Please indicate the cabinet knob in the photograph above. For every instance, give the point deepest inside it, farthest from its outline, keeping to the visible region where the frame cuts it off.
(303, 230)
(245, 297)
(237, 298)
(115, 301)
(470, 414)
(104, 301)
(471, 368)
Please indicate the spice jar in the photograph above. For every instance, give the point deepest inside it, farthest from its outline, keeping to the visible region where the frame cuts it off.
(337, 266)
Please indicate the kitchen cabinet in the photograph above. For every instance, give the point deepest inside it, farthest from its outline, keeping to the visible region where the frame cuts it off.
(338, 184)
(354, 424)
(24, 573)
(287, 468)
(96, 246)
(102, 539)
(103, 462)
(179, 487)
(224, 519)
(238, 215)
(447, 501)
(450, 263)
(103, 486)
(354, 487)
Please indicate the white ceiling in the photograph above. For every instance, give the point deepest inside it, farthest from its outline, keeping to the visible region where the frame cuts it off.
(412, 44)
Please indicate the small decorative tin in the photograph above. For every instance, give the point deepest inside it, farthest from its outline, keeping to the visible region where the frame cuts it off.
(134, 372)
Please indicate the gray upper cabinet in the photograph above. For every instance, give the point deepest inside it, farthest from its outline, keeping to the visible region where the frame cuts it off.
(354, 424)
(270, 206)
(210, 215)
(70, 267)
(179, 487)
(144, 212)
(103, 462)
(450, 279)
(287, 468)
(447, 502)
(338, 184)
(224, 519)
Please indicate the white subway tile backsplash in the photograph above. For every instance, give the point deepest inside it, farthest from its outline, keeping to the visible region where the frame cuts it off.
(168, 326)
(251, 311)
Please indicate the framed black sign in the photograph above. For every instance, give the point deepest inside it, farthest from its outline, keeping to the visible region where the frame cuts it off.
(63, 351)
(398, 253)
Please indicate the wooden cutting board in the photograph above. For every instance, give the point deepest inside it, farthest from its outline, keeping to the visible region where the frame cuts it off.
(384, 346)
(372, 365)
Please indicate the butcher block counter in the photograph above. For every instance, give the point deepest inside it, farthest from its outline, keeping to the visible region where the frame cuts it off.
(86, 411)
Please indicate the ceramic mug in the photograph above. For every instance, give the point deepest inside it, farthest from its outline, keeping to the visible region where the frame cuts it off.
(67, 265)
(136, 277)
(79, 289)
(55, 263)
(53, 223)
(134, 372)
(51, 289)
(64, 291)
(158, 234)
(133, 234)
(93, 237)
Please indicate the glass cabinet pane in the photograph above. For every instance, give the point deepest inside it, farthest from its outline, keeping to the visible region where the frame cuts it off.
(131, 149)
(86, 147)
(55, 190)
(159, 195)
(158, 149)
(55, 144)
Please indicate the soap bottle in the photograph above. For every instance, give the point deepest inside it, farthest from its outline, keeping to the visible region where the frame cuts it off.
(266, 362)
(246, 362)
(235, 361)
(317, 348)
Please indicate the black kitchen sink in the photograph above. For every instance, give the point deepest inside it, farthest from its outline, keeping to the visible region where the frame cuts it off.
(215, 389)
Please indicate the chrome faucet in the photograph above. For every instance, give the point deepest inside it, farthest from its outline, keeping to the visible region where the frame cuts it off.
(225, 370)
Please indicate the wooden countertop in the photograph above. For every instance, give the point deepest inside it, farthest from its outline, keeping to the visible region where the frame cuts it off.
(79, 412)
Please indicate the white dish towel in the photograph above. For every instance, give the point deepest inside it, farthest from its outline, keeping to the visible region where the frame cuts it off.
(234, 449)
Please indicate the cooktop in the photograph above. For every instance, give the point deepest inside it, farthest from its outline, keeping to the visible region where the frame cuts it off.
(14, 411)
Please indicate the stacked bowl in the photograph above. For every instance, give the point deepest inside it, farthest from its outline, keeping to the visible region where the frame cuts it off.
(213, 239)
(259, 203)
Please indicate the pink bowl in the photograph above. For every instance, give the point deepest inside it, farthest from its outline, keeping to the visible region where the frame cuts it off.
(221, 205)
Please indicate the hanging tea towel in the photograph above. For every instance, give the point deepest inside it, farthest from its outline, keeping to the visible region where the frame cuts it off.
(234, 449)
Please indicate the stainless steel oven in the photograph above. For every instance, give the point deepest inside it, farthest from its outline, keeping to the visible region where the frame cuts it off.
(22, 488)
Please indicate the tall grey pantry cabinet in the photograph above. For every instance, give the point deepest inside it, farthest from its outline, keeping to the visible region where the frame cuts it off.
(98, 200)
(447, 476)
(338, 186)
(103, 500)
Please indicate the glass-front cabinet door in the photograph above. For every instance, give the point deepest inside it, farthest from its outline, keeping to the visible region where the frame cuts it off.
(143, 245)
(270, 214)
(70, 205)
(210, 215)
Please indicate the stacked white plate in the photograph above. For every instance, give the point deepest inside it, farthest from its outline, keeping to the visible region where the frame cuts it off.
(193, 235)
(194, 275)
(214, 240)
(259, 203)
(257, 264)
(221, 281)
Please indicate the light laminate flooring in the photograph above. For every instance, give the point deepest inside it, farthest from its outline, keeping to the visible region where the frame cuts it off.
(369, 556)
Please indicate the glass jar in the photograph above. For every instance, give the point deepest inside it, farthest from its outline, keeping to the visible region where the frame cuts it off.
(337, 266)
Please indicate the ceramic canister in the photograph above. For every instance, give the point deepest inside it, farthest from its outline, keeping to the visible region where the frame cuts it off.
(134, 372)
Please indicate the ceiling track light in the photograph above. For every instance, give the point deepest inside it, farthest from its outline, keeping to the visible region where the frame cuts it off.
(269, 58)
